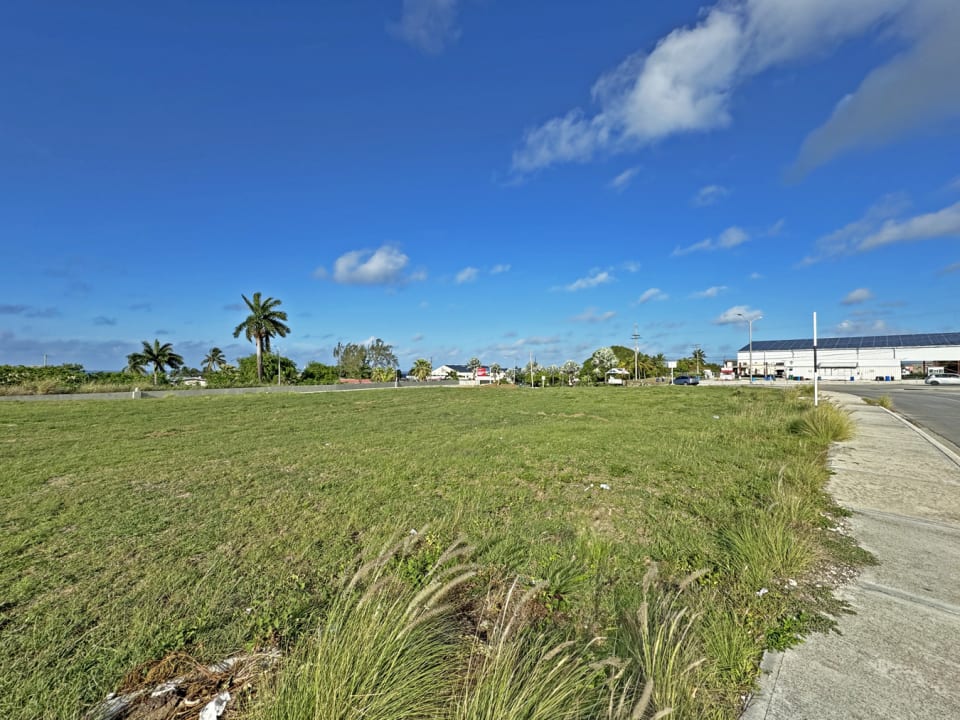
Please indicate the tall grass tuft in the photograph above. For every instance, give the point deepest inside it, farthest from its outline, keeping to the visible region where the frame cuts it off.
(384, 651)
(825, 423)
(883, 401)
(657, 637)
(765, 547)
(518, 672)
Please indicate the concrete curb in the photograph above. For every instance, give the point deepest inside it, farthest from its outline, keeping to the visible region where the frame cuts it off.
(759, 706)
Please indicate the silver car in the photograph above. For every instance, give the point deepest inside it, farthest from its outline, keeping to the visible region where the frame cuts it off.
(943, 379)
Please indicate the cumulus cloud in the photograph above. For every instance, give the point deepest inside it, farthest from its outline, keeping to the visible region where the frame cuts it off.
(384, 266)
(710, 292)
(595, 278)
(857, 296)
(590, 315)
(710, 195)
(729, 238)
(630, 266)
(652, 294)
(428, 25)
(736, 315)
(687, 82)
(468, 274)
(880, 226)
(621, 181)
(501, 268)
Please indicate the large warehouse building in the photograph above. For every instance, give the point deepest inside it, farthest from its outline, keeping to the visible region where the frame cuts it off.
(852, 358)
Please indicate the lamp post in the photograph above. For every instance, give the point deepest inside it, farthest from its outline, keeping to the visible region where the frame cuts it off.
(750, 325)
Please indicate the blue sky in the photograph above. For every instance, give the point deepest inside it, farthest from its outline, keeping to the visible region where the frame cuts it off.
(475, 177)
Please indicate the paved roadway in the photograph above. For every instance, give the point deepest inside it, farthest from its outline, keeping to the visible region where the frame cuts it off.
(934, 408)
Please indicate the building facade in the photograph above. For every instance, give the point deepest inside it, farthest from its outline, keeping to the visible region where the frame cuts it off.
(851, 358)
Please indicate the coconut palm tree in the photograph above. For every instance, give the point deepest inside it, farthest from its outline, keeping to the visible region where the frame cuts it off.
(263, 322)
(421, 369)
(215, 360)
(136, 364)
(161, 357)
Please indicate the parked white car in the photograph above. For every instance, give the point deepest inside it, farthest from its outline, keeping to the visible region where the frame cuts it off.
(943, 379)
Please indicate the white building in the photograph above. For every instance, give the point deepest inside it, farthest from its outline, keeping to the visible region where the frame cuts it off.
(851, 358)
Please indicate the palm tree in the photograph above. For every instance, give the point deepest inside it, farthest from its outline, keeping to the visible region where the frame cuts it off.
(215, 360)
(495, 371)
(421, 369)
(263, 322)
(161, 357)
(136, 364)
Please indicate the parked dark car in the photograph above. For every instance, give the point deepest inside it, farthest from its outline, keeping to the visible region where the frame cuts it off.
(686, 380)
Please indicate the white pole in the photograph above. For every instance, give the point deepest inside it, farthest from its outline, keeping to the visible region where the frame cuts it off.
(816, 386)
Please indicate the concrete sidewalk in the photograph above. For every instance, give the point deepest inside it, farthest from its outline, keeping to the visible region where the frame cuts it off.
(899, 655)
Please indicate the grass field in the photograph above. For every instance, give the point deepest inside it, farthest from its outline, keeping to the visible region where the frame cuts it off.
(133, 530)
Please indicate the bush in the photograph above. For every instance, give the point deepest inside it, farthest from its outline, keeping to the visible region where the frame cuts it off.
(825, 423)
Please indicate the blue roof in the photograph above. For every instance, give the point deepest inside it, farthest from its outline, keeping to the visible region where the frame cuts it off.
(849, 343)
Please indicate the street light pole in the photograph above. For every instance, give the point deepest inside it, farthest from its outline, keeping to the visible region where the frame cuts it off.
(636, 352)
(750, 325)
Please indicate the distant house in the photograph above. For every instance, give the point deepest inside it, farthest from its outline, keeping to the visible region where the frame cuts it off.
(464, 374)
(443, 372)
(617, 376)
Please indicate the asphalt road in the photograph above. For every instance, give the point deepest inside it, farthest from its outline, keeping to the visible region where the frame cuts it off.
(934, 408)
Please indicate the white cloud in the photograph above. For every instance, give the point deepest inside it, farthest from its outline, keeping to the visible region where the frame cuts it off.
(857, 296)
(776, 228)
(696, 247)
(729, 238)
(497, 269)
(652, 294)
(756, 276)
(621, 181)
(879, 227)
(952, 268)
(468, 274)
(428, 25)
(710, 292)
(686, 83)
(596, 277)
(631, 266)
(943, 223)
(590, 315)
(737, 315)
(844, 240)
(856, 327)
(383, 266)
(916, 89)
(710, 195)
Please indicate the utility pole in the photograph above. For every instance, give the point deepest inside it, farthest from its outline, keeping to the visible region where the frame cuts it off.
(636, 352)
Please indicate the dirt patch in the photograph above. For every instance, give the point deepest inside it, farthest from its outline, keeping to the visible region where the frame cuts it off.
(177, 687)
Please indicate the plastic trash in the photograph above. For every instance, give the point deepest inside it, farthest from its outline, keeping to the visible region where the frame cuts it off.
(214, 709)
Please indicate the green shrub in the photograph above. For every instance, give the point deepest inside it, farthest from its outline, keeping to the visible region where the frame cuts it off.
(825, 423)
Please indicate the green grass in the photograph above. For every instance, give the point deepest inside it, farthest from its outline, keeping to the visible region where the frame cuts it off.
(134, 529)
(883, 401)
